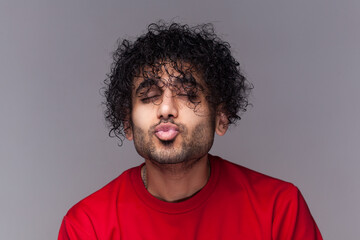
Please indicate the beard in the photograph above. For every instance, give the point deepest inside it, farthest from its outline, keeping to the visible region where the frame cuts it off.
(193, 146)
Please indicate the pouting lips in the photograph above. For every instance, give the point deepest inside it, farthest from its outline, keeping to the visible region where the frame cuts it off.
(166, 131)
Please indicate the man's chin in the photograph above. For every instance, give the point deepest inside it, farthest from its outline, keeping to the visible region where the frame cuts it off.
(168, 155)
(167, 143)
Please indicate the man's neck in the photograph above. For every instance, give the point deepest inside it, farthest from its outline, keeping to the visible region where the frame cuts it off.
(176, 182)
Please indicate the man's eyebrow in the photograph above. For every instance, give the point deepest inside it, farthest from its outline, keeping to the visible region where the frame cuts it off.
(146, 83)
(185, 80)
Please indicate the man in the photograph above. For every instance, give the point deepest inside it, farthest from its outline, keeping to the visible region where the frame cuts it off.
(169, 92)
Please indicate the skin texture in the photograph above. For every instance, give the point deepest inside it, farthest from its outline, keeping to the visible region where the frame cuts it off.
(195, 129)
(177, 168)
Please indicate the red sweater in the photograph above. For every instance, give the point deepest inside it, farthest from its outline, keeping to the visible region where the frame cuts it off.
(236, 203)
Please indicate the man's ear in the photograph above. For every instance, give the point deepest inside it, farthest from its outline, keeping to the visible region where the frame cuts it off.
(221, 121)
(128, 129)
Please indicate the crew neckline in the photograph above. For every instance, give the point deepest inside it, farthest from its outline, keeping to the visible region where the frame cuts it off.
(179, 207)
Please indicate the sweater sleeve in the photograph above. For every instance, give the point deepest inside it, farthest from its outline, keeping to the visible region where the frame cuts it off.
(292, 219)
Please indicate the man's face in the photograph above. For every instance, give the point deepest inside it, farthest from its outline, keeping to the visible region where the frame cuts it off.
(171, 121)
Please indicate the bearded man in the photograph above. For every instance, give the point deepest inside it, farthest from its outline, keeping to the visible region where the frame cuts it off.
(169, 92)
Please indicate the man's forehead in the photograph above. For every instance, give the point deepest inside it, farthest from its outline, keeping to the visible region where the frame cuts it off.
(168, 74)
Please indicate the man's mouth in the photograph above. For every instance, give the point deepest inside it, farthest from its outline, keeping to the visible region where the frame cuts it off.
(166, 131)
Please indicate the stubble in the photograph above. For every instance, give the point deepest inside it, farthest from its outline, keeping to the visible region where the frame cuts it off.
(193, 146)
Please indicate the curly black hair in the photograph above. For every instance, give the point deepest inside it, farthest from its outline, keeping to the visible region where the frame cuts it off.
(174, 44)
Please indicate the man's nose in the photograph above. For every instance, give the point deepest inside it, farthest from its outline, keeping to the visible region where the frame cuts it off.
(168, 107)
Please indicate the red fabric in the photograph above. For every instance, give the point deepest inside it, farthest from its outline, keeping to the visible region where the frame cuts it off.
(236, 203)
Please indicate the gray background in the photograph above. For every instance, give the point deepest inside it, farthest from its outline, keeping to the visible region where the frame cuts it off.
(302, 56)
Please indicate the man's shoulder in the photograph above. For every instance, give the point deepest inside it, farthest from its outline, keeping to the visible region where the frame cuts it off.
(241, 177)
(105, 196)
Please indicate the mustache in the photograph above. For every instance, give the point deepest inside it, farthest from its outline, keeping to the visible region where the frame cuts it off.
(170, 120)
